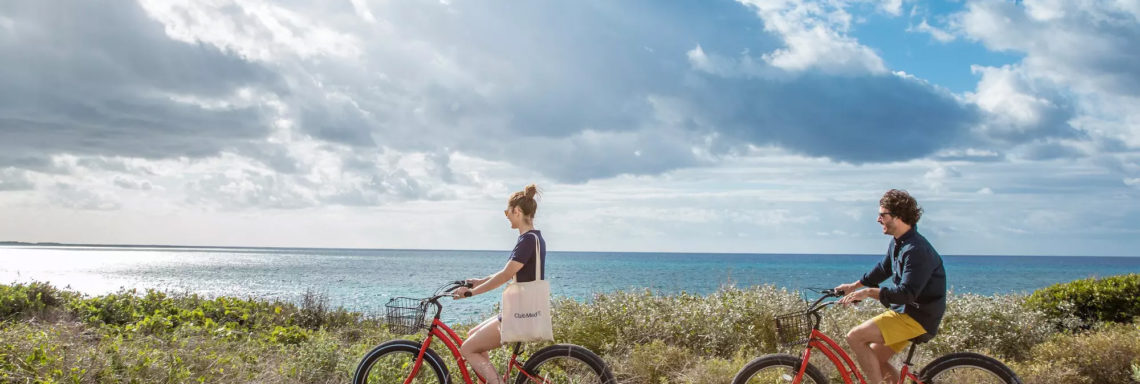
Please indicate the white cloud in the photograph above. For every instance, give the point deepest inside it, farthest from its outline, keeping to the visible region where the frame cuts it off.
(384, 124)
(935, 32)
(15, 179)
(815, 37)
(893, 7)
(1085, 50)
(254, 29)
(1132, 182)
(128, 182)
(1016, 104)
(362, 9)
(936, 178)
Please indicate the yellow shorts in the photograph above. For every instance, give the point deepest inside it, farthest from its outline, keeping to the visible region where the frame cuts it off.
(897, 329)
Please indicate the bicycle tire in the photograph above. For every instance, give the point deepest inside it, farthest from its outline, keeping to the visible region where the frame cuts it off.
(780, 362)
(943, 365)
(375, 358)
(587, 367)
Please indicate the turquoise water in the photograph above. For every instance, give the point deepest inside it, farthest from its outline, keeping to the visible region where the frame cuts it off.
(365, 279)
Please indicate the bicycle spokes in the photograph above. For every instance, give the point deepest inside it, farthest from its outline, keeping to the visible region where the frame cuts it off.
(396, 367)
(778, 375)
(966, 375)
(564, 370)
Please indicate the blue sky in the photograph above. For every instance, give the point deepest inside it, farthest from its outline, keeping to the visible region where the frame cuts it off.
(688, 126)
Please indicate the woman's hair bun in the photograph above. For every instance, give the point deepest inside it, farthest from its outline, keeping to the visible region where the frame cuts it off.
(530, 190)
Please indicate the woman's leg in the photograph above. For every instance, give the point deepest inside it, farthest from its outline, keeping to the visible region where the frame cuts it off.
(483, 339)
(481, 325)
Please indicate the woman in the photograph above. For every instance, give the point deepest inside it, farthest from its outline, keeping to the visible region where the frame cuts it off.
(521, 266)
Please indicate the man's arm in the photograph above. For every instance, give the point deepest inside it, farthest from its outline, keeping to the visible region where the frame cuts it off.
(880, 272)
(918, 265)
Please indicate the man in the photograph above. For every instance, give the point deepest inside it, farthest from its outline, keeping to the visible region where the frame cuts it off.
(916, 302)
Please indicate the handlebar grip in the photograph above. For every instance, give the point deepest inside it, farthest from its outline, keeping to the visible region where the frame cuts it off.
(467, 294)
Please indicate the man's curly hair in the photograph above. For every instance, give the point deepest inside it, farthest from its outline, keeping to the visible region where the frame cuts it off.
(901, 205)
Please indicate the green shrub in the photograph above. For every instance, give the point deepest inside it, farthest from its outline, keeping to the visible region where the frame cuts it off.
(288, 335)
(1001, 326)
(718, 324)
(647, 338)
(1103, 355)
(32, 300)
(1115, 299)
(658, 362)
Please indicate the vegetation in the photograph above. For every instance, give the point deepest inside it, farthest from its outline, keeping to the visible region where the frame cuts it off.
(49, 335)
(1112, 299)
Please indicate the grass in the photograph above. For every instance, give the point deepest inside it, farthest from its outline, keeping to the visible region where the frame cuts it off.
(50, 335)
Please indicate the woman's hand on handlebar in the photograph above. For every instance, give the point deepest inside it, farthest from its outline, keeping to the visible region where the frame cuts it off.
(461, 292)
(471, 283)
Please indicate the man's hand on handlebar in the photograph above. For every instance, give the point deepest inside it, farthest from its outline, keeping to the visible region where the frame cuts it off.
(855, 297)
(848, 288)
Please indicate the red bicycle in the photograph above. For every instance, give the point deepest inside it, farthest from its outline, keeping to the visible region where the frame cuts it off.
(803, 327)
(406, 361)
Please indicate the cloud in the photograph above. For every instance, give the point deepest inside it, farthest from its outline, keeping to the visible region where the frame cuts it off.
(591, 95)
(102, 79)
(1084, 50)
(1018, 108)
(854, 119)
(814, 35)
(937, 33)
(936, 178)
(892, 7)
(77, 197)
(12, 179)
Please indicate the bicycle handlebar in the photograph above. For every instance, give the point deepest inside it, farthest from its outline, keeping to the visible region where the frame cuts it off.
(451, 286)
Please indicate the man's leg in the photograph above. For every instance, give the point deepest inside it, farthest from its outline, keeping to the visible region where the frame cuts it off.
(860, 339)
(884, 353)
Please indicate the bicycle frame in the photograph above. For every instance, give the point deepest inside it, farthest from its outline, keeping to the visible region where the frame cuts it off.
(842, 361)
(454, 342)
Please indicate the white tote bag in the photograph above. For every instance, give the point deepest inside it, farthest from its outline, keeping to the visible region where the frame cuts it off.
(526, 307)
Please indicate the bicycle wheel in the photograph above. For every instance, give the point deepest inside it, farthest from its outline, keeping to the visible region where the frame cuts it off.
(777, 368)
(565, 364)
(392, 362)
(967, 368)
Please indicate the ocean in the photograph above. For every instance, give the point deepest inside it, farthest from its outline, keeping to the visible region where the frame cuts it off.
(365, 279)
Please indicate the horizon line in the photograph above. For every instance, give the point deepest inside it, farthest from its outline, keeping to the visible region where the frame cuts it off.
(169, 246)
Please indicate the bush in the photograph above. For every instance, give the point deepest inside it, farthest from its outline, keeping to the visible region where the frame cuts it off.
(33, 300)
(718, 324)
(1115, 299)
(1000, 326)
(647, 338)
(1106, 354)
(658, 362)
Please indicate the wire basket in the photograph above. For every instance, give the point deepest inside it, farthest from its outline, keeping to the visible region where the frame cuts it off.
(793, 328)
(405, 315)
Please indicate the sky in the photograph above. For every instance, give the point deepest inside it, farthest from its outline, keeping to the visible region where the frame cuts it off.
(755, 126)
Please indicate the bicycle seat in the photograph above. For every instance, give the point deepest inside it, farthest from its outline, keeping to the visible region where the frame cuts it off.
(922, 339)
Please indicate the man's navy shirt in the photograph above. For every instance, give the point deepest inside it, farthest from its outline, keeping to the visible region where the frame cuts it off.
(920, 280)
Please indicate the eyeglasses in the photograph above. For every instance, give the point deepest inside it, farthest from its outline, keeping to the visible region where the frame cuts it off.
(883, 215)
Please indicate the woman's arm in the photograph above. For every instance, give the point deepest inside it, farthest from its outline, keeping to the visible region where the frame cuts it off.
(493, 281)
